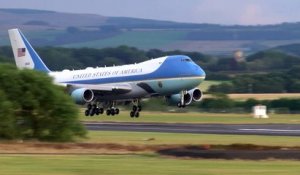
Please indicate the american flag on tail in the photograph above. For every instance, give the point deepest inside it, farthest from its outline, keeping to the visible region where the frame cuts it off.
(21, 52)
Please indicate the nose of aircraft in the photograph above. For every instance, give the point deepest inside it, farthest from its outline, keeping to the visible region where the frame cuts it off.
(199, 71)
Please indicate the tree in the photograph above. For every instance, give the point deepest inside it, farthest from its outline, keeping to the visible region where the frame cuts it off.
(7, 119)
(37, 108)
(220, 101)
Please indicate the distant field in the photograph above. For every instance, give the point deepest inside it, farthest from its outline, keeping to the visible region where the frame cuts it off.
(264, 96)
(226, 47)
(139, 39)
(48, 35)
(137, 165)
(195, 117)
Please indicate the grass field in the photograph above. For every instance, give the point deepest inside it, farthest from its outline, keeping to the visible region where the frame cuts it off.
(137, 165)
(195, 117)
(155, 138)
(139, 39)
(242, 97)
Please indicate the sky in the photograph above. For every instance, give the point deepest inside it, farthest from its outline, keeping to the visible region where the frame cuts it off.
(228, 12)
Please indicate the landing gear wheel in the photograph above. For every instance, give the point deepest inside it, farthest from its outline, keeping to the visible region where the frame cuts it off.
(101, 110)
(92, 113)
(117, 111)
(136, 108)
(97, 111)
(87, 112)
(112, 112)
(108, 112)
(131, 114)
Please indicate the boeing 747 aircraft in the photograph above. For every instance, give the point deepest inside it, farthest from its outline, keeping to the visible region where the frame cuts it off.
(102, 88)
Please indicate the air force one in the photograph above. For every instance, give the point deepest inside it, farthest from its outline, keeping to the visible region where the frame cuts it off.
(102, 88)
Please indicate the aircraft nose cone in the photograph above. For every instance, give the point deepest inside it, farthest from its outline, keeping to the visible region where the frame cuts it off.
(199, 71)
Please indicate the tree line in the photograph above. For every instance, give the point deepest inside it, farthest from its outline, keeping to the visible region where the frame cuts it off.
(73, 58)
(246, 75)
(222, 103)
(279, 82)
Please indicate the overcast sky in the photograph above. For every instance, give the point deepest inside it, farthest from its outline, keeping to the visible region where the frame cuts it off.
(196, 11)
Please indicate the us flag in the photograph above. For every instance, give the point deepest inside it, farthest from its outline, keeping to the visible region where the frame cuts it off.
(21, 52)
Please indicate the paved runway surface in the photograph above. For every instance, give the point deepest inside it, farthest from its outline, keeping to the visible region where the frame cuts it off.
(236, 129)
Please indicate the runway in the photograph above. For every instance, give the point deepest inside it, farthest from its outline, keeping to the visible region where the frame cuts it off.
(233, 129)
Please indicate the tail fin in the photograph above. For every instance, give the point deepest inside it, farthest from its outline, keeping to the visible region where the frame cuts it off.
(25, 55)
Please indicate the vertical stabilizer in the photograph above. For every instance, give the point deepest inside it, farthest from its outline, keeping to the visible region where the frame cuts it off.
(25, 55)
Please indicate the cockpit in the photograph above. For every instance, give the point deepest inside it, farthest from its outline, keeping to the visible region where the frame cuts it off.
(186, 60)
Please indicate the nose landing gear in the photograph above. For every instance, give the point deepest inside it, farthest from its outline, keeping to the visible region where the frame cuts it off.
(182, 104)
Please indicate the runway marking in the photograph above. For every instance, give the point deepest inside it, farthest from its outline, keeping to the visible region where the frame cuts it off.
(271, 130)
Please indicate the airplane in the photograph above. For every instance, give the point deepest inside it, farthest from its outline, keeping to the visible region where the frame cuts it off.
(102, 88)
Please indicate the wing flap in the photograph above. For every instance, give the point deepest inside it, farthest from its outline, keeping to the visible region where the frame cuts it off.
(115, 88)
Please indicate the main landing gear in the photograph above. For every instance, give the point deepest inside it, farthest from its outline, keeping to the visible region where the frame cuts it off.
(136, 109)
(93, 109)
(112, 111)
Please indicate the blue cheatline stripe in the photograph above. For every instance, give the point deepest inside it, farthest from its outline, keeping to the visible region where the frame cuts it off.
(172, 67)
(38, 63)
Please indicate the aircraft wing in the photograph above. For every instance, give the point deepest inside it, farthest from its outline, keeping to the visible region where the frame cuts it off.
(109, 88)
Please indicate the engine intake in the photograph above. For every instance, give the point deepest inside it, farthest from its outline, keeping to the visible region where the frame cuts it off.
(196, 94)
(82, 95)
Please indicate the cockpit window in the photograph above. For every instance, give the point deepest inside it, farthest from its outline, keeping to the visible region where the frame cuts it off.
(186, 59)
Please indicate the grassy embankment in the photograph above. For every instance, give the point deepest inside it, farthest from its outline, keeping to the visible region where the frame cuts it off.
(139, 164)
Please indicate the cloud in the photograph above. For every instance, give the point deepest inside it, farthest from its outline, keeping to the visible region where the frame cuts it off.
(258, 14)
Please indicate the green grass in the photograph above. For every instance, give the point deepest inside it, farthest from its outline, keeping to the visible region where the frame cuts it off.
(156, 138)
(138, 164)
(140, 39)
(49, 35)
(195, 117)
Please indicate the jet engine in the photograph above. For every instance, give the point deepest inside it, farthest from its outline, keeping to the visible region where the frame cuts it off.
(82, 95)
(196, 94)
(176, 98)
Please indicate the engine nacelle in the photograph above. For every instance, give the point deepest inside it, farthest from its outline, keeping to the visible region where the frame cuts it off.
(82, 95)
(176, 98)
(196, 94)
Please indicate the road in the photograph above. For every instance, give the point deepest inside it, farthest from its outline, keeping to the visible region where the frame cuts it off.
(235, 129)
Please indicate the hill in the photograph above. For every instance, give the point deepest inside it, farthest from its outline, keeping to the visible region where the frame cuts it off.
(89, 30)
(292, 49)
